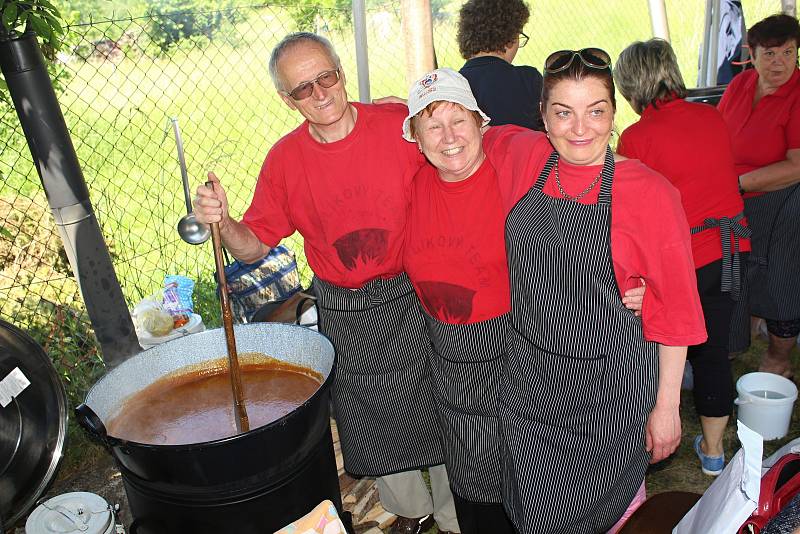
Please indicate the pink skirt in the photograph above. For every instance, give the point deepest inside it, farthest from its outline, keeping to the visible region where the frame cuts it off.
(637, 501)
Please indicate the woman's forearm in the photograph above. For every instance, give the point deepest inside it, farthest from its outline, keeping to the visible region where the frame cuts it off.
(775, 176)
(671, 361)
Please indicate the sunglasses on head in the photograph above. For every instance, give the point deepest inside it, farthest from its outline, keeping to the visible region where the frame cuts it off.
(326, 79)
(594, 58)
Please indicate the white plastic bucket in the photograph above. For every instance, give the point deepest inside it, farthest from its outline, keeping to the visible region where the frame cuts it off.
(765, 403)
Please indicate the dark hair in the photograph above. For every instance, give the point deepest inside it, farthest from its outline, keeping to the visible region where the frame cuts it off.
(773, 31)
(412, 126)
(489, 25)
(577, 71)
(647, 73)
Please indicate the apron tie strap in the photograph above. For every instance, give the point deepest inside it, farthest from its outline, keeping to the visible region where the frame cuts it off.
(546, 170)
(731, 229)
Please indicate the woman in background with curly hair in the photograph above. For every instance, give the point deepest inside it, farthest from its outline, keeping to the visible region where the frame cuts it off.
(489, 35)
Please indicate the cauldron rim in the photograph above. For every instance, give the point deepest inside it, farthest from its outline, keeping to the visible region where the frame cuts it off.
(283, 420)
(321, 390)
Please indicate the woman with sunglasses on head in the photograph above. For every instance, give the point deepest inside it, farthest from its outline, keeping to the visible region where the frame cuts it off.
(455, 258)
(761, 107)
(689, 144)
(590, 392)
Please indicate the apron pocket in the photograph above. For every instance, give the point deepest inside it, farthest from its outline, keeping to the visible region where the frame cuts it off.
(468, 387)
(555, 389)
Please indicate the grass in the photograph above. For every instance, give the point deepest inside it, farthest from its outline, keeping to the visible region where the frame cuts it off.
(230, 115)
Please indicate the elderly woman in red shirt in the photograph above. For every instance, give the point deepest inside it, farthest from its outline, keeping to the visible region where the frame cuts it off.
(762, 110)
(688, 143)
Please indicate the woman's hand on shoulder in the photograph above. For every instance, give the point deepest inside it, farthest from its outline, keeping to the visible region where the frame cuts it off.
(389, 100)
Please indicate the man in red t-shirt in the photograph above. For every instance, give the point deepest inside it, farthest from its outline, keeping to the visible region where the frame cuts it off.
(342, 180)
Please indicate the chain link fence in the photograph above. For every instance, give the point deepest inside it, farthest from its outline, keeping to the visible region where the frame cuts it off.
(121, 80)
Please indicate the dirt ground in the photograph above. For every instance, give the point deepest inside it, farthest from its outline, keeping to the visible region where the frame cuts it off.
(679, 472)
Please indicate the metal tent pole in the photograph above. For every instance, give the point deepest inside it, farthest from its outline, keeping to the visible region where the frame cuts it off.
(362, 59)
(658, 19)
(713, 47)
(418, 37)
(703, 67)
(39, 114)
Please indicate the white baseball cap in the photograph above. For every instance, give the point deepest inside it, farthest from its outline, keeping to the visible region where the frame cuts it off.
(440, 84)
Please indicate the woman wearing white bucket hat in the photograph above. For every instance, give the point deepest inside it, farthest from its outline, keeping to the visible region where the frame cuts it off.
(455, 259)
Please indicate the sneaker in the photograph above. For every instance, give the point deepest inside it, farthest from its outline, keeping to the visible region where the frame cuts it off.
(710, 465)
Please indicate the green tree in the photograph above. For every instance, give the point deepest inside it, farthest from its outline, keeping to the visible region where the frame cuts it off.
(175, 20)
(321, 15)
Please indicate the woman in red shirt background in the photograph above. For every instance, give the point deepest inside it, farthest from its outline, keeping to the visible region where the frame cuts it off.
(761, 108)
(689, 144)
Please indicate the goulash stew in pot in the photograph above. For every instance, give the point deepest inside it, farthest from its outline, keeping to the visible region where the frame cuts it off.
(195, 404)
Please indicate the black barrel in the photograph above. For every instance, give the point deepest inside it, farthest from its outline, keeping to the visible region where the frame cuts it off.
(255, 482)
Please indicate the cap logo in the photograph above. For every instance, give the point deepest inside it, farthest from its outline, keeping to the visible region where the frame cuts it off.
(428, 80)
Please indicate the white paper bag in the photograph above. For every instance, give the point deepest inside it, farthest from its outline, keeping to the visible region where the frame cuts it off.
(734, 494)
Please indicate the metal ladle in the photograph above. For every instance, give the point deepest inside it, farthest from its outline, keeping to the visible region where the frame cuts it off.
(189, 228)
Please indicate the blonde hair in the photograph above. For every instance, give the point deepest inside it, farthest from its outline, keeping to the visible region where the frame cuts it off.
(647, 72)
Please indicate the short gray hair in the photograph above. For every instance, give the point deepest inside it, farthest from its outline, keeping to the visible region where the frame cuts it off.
(647, 72)
(290, 41)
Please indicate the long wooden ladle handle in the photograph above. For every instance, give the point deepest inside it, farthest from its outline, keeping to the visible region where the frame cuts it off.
(242, 422)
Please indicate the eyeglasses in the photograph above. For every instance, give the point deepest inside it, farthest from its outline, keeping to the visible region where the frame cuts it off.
(523, 39)
(326, 79)
(594, 58)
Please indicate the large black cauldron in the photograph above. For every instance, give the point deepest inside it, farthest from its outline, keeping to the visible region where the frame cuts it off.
(255, 482)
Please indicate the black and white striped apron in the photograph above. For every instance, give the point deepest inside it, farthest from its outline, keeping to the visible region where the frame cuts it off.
(580, 380)
(466, 368)
(731, 230)
(774, 262)
(382, 391)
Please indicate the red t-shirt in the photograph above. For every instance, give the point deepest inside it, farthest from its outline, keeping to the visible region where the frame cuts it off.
(348, 199)
(455, 251)
(649, 240)
(762, 134)
(690, 146)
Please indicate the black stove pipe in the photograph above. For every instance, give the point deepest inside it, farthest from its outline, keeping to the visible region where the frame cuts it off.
(53, 154)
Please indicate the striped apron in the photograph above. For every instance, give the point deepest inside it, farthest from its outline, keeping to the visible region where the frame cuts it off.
(466, 368)
(731, 230)
(774, 284)
(382, 392)
(580, 380)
